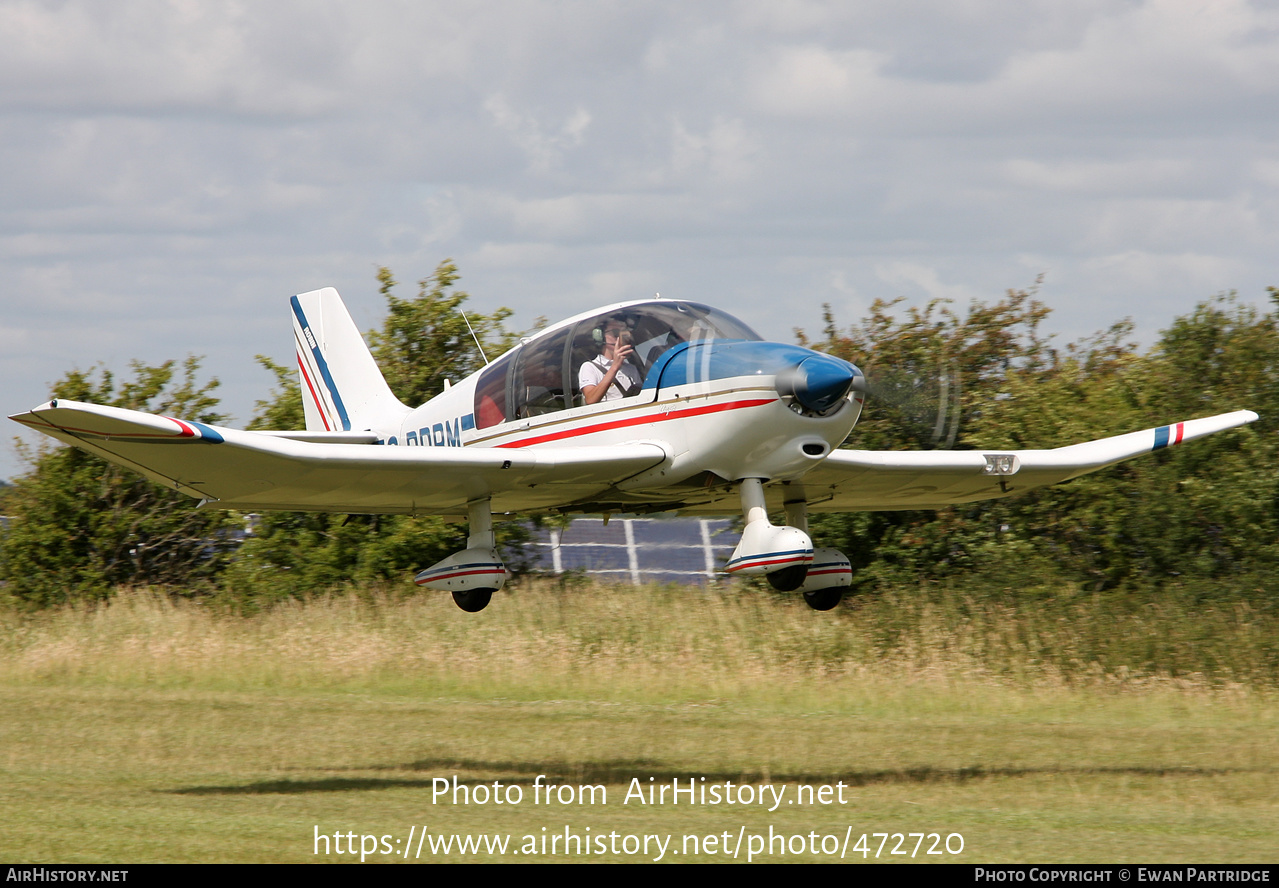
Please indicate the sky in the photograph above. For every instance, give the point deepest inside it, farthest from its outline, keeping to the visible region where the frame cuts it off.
(172, 171)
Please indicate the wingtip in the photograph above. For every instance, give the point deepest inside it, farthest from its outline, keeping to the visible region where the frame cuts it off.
(32, 417)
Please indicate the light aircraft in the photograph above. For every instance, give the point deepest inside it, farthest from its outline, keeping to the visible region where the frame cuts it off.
(707, 418)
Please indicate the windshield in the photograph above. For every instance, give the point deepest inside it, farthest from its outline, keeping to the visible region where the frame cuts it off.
(659, 326)
(552, 372)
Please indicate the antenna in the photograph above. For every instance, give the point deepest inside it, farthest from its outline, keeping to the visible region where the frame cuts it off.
(478, 347)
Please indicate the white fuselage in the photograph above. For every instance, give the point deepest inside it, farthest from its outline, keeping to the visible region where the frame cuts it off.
(713, 430)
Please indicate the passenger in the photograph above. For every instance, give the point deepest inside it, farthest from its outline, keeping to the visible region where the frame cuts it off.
(610, 375)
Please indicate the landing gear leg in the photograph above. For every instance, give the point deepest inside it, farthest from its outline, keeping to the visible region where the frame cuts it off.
(473, 575)
(830, 573)
(480, 516)
(796, 507)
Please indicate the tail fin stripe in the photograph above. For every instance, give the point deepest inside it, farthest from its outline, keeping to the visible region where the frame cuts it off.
(314, 397)
(321, 364)
(308, 371)
(306, 365)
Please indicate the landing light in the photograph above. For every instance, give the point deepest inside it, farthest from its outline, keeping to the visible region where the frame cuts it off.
(1001, 464)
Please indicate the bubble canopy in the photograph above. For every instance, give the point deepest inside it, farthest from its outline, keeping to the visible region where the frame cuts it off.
(541, 375)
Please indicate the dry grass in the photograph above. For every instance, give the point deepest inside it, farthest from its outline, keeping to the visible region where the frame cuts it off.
(541, 638)
(150, 730)
(128, 775)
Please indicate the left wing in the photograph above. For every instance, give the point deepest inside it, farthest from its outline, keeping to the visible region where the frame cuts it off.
(264, 470)
(885, 480)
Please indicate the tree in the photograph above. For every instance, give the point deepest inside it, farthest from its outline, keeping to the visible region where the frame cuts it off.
(1207, 510)
(934, 374)
(283, 409)
(1210, 509)
(933, 371)
(82, 526)
(426, 340)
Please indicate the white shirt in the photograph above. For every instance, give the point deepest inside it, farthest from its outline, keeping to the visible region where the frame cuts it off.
(592, 373)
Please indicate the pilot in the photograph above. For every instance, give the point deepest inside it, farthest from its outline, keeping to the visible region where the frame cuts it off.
(610, 375)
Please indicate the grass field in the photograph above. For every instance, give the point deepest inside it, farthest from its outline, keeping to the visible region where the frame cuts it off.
(149, 731)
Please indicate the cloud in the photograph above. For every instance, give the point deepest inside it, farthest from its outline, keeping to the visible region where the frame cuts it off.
(174, 170)
(150, 56)
(814, 81)
(726, 151)
(921, 278)
(1109, 176)
(1122, 68)
(545, 146)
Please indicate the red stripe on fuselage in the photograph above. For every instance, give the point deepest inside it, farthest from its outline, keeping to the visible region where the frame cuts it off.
(1181, 429)
(637, 420)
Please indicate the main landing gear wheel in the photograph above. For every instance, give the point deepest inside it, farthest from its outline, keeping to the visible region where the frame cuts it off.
(788, 579)
(473, 600)
(824, 599)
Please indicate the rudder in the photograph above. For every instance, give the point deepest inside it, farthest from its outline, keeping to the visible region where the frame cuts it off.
(342, 387)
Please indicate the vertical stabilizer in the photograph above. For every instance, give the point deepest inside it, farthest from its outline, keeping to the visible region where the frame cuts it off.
(342, 387)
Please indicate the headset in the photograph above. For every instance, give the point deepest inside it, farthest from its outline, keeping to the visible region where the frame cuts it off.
(597, 334)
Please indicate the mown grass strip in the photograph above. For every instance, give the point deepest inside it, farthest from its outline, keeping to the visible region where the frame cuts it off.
(149, 730)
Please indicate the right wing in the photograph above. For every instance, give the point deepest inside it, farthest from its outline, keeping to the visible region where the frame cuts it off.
(887, 480)
(264, 471)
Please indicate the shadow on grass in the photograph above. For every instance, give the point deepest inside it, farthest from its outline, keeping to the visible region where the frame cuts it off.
(622, 772)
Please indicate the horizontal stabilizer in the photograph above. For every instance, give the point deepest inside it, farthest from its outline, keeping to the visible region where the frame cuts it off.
(71, 418)
(326, 437)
